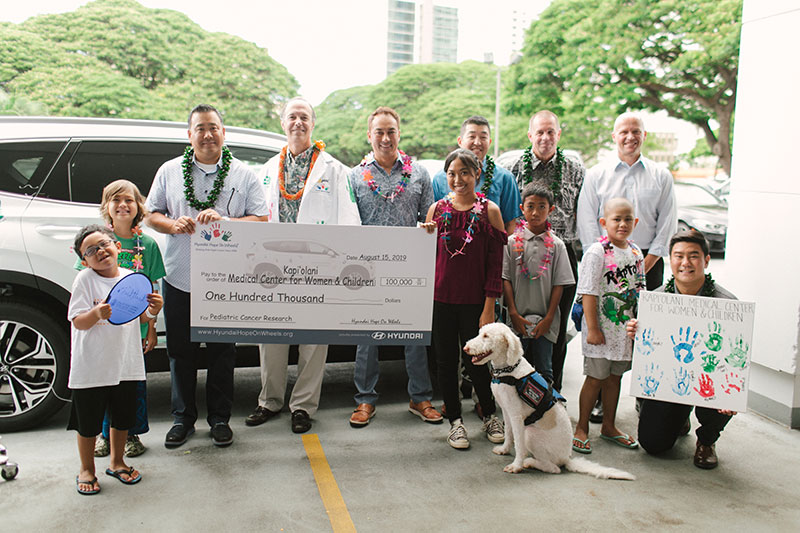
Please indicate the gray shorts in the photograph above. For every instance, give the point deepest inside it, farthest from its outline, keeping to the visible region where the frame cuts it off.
(599, 368)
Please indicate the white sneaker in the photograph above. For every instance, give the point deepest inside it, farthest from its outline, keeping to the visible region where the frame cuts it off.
(458, 435)
(493, 427)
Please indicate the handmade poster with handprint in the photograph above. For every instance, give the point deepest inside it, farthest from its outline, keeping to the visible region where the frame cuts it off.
(693, 350)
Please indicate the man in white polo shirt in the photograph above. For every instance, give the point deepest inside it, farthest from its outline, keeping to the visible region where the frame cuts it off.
(203, 185)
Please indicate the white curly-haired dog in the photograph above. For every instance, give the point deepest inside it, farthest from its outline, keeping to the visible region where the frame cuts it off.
(549, 439)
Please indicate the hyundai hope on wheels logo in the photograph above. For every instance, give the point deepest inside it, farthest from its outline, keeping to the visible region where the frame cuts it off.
(379, 335)
(215, 232)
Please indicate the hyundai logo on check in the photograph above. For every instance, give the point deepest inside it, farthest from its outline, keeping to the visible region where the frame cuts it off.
(379, 335)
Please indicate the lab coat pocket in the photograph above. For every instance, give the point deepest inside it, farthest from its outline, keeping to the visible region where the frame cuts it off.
(318, 206)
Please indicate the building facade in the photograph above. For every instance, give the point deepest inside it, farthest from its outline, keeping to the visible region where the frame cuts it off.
(400, 35)
(431, 31)
(438, 33)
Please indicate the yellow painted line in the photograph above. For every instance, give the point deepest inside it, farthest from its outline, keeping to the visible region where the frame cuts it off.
(326, 483)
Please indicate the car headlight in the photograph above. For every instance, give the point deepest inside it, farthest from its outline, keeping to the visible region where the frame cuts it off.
(707, 226)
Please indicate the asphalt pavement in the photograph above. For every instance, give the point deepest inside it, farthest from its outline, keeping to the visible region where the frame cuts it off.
(397, 474)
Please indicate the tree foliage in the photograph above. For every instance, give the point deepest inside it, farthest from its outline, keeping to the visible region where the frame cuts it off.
(342, 123)
(590, 61)
(118, 58)
(432, 101)
(18, 105)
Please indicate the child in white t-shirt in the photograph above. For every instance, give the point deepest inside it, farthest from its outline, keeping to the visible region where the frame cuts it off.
(610, 277)
(106, 360)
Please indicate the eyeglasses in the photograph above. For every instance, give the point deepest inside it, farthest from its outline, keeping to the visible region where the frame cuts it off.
(90, 251)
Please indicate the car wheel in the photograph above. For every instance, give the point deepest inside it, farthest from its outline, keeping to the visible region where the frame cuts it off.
(354, 276)
(269, 271)
(34, 365)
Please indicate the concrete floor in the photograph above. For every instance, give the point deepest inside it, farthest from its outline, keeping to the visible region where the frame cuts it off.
(398, 474)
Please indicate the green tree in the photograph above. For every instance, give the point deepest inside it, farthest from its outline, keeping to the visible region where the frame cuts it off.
(118, 58)
(20, 106)
(590, 61)
(342, 123)
(513, 132)
(432, 101)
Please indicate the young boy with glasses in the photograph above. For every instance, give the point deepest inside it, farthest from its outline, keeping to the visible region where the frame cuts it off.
(106, 360)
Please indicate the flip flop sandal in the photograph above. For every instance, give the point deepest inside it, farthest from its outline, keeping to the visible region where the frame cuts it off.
(118, 474)
(586, 449)
(619, 441)
(89, 492)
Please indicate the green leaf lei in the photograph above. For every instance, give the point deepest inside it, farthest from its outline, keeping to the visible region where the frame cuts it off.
(707, 290)
(219, 182)
(527, 170)
(488, 175)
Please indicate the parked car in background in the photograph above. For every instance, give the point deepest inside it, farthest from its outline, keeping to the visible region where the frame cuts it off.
(721, 188)
(701, 208)
(52, 172)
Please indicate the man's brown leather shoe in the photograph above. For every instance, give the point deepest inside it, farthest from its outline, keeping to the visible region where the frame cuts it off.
(362, 415)
(425, 411)
(705, 457)
(259, 416)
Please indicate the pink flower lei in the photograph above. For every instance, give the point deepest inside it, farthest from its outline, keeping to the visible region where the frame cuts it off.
(610, 265)
(519, 249)
(401, 185)
(447, 217)
(138, 259)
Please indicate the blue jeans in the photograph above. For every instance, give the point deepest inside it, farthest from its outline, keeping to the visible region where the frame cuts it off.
(141, 413)
(539, 353)
(367, 372)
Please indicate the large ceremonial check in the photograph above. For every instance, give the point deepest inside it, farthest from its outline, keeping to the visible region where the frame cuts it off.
(311, 284)
(693, 350)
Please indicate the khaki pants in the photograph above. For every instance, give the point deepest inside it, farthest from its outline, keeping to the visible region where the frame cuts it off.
(274, 370)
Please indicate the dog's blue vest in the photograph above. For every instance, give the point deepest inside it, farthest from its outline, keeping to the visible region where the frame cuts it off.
(535, 390)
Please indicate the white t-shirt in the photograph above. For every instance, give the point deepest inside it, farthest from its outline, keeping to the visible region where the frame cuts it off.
(104, 354)
(617, 291)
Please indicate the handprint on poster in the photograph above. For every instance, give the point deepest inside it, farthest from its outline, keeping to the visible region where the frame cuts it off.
(644, 342)
(683, 381)
(705, 354)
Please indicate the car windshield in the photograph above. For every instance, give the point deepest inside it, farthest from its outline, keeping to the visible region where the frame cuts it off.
(691, 194)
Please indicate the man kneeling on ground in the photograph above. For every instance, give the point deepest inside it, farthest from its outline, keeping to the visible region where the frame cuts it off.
(661, 423)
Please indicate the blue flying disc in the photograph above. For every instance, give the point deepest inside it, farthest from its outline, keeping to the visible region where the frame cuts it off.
(128, 298)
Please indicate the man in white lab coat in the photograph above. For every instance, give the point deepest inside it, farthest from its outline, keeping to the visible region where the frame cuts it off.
(305, 185)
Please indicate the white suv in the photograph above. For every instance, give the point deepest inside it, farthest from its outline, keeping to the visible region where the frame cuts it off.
(52, 172)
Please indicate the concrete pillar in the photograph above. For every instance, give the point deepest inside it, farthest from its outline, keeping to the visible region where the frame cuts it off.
(763, 247)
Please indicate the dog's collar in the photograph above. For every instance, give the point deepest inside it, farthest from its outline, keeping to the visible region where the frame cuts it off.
(506, 369)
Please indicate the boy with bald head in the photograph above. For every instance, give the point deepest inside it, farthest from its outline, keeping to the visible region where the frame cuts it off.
(610, 278)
